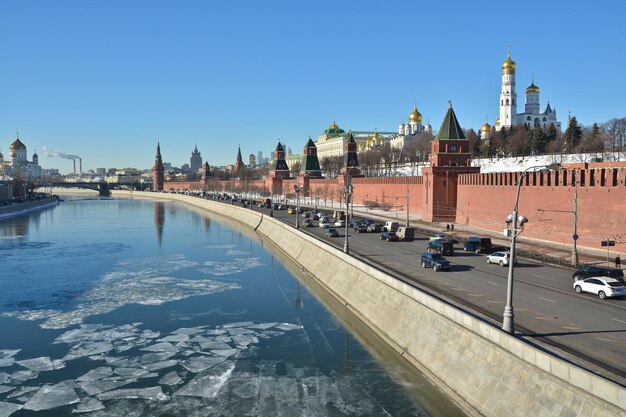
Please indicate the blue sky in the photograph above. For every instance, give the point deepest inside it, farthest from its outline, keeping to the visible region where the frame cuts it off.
(105, 79)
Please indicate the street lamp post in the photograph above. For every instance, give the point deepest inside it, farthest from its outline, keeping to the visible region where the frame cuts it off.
(508, 323)
(575, 236)
(348, 194)
(297, 190)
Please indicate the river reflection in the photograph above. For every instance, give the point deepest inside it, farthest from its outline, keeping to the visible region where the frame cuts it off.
(98, 316)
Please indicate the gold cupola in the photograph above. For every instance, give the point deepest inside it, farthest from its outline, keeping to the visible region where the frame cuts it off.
(498, 122)
(415, 116)
(532, 88)
(508, 67)
(486, 128)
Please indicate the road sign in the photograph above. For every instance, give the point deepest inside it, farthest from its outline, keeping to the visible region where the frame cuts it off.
(575, 237)
(608, 243)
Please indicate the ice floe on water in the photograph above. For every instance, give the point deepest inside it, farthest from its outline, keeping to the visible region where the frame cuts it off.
(188, 362)
(235, 266)
(52, 396)
(142, 281)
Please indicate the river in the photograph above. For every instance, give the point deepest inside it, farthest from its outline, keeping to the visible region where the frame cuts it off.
(133, 307)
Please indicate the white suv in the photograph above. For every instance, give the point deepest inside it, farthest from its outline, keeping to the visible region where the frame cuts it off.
(603, 287)
(500, 258)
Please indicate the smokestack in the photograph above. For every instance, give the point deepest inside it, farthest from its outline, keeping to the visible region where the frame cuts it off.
(74, 160)
(80, 161)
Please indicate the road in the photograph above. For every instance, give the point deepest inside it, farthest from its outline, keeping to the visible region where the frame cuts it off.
(582, 327)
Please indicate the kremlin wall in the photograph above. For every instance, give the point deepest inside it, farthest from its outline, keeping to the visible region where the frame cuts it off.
(451, 190)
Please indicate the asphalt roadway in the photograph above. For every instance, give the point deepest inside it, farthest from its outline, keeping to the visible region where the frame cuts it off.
(580, 328)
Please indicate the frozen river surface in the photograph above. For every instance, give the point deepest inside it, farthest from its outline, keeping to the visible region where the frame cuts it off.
(143, 308)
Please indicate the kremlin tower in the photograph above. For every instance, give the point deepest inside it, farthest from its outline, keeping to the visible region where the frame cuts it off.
(158, 172)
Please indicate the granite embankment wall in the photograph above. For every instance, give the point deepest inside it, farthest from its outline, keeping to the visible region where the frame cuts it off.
(18, 209)
(487, 371)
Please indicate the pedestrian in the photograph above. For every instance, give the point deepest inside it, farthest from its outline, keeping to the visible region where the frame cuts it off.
(448, 227)
(618, 262)
(452, 227)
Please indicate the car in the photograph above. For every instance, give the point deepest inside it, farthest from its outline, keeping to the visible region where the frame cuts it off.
(300, 210)
(390, 226)
(360, 228)
(331, 232)
(435, 261)
(436, 236)
(603, 287)
(588, 271)
(307, 215)
(324, 223)
(500, 258)
(291, 210)
(340, 223)
(389, 236)
(282, 207)
(307, 223)
(477, 244)
(374, 228)
(442, 246)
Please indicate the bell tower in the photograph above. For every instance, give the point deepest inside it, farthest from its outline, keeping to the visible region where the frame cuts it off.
(158, 171)
(508, 97)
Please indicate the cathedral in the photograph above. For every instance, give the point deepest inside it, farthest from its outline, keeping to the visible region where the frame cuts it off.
(18, 163)
(532, 116)
(406, 132)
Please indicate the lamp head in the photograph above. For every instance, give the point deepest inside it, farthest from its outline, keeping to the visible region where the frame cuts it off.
(522, 220)
(509, 218)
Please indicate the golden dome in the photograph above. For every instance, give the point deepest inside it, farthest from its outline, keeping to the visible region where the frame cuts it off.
(486, 128)
(415, 116)
(376, 135)
(532, 88)
(497, 122)
(508, 67)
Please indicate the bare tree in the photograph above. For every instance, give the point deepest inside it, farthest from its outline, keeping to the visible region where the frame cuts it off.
(616, 135)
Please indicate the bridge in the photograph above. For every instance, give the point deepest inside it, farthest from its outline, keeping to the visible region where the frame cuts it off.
(103, 188)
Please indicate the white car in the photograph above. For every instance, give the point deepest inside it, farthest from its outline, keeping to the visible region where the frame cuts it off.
(437, 236)
(340, 223)
(500, 258)
(603, 287)
(324, 222)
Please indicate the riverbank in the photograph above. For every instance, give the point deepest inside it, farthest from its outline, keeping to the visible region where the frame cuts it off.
(485, 370)
(18, 209)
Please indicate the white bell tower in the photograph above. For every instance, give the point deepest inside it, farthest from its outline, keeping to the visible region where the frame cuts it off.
(508, 98)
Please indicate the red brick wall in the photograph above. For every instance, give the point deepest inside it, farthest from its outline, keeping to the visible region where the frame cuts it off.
(485, 200)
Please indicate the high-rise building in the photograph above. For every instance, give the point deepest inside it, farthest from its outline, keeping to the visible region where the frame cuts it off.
(195, 162)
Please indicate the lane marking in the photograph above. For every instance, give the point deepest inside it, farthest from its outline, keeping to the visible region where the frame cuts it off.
(541, 318)
(621, 321)
(539, 276)
(571, 328)
(547, 299)
(493, 283)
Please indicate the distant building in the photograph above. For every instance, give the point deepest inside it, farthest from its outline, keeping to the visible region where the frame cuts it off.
(408, 132)
(252, 160)
(101, 171)
(195, 162)
(532, 116)
(332, 142)
(18, 164)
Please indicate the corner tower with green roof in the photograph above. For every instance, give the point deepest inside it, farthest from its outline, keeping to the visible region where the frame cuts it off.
(281, 169)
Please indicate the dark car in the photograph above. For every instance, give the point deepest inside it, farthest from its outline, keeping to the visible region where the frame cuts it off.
(435, 261)
(360, 228)
(442, 246)
(389, 237)
(331, 232)
(477, 244)
(374, 228)
(588, 271)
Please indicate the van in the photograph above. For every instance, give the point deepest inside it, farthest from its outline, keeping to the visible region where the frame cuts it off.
(391, 226)
(442, 246)
(477, 244)
(406, 233)
(339, 215)
(588, 271)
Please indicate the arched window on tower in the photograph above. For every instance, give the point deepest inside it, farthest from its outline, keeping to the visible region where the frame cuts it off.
(528, 118)
(507, 101)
